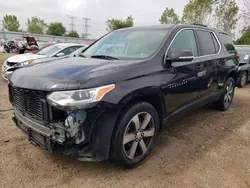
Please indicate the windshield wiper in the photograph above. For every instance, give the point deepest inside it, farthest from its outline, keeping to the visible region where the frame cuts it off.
(104, 57)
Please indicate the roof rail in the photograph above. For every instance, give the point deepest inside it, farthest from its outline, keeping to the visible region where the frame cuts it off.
(199, 24)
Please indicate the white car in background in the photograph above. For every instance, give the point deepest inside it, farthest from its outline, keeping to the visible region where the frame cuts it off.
(44, 55)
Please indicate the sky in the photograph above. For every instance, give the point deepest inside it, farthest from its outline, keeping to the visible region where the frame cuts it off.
(144, 12)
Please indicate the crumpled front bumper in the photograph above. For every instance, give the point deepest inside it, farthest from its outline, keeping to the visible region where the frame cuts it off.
(96, 148)
(42, 136)
(27, 124)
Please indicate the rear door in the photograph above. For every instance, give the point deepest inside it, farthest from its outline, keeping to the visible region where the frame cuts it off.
(229, 61)
(209, 58)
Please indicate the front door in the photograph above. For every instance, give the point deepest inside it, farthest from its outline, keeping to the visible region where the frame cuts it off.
(190, 78)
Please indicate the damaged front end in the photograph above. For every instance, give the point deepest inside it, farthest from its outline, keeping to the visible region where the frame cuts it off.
(62, 129)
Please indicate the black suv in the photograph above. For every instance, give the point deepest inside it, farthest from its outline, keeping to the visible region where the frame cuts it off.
(112, 102)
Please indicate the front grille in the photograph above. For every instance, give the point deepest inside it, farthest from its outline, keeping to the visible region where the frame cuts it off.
(34, 106)
(18, 99)
(28, 102)
(11, 63)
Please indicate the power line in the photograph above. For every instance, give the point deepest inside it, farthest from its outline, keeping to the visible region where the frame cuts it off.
(86, 26)
(72, 24)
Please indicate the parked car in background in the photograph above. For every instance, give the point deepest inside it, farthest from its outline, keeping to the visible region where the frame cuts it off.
(41, 45)
(4, 47)
(111, 102)
(88, 43)
(56, 50)
(244, 65)
(28, 43)
(76, 53)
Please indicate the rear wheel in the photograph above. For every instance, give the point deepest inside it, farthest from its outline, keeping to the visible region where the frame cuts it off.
(242, 79)
(135, 134)
(226, 98)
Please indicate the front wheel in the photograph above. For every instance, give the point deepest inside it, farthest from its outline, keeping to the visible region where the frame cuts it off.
(135, 134)
(226, 98)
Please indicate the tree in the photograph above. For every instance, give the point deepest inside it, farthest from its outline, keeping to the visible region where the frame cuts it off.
(56, 28)
(245, 38)
(36, 25)
(226, 14)
(73, 34)
(11, 23)
(115, 24)
(198, 11)
(169, 17)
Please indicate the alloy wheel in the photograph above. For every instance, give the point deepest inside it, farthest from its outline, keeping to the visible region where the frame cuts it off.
(243, 79)
(229, 94)
(138, 136)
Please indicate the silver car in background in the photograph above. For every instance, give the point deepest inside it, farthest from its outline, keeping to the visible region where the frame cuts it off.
(76, 53)
(51, 52)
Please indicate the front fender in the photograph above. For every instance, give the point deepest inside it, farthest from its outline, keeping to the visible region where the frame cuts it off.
(100, 142)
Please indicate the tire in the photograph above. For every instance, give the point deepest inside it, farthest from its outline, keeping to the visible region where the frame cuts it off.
(226, 98)
(130, 145)
(242, 79)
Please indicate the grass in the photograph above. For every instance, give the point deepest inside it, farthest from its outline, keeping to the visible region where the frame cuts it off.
(4, 56)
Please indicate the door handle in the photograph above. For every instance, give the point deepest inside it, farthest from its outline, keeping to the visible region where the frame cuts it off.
(199, 66)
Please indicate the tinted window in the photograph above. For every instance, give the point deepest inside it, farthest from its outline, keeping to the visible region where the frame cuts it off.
(49, 50)
(206, 42)
(216, 44)
(69, 50)
(227, 42)
(185, 40)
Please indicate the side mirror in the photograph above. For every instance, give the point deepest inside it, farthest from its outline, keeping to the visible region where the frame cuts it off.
(60, 54)
(184, 55)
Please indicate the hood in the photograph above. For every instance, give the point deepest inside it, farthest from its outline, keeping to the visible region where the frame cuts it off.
(24, 57)
(65, 74)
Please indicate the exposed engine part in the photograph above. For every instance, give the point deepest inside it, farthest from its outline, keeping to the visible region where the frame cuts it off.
(73, 123)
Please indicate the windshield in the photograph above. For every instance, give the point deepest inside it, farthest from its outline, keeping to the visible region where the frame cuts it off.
(50, 50)
(128, 44)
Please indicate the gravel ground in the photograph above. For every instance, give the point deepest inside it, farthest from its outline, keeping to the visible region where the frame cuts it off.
(207, 149)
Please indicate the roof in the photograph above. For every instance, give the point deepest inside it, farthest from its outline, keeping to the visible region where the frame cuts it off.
(64, 45)
(172, 26)
(167, 26)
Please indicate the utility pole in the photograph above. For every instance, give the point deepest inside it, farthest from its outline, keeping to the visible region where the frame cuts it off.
(86, 26)
(72, 24)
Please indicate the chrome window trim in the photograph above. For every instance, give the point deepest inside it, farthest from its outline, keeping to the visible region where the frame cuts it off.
(207, 30)
(187, 57)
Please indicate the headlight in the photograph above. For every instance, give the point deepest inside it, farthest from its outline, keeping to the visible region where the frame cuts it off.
(79, 99)
(27, 63)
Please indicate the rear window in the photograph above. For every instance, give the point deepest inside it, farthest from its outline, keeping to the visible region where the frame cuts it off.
(207, 43)
(216, 44)
(227, 42)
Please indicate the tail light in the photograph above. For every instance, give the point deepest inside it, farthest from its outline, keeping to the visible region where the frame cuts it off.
(238, 57)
